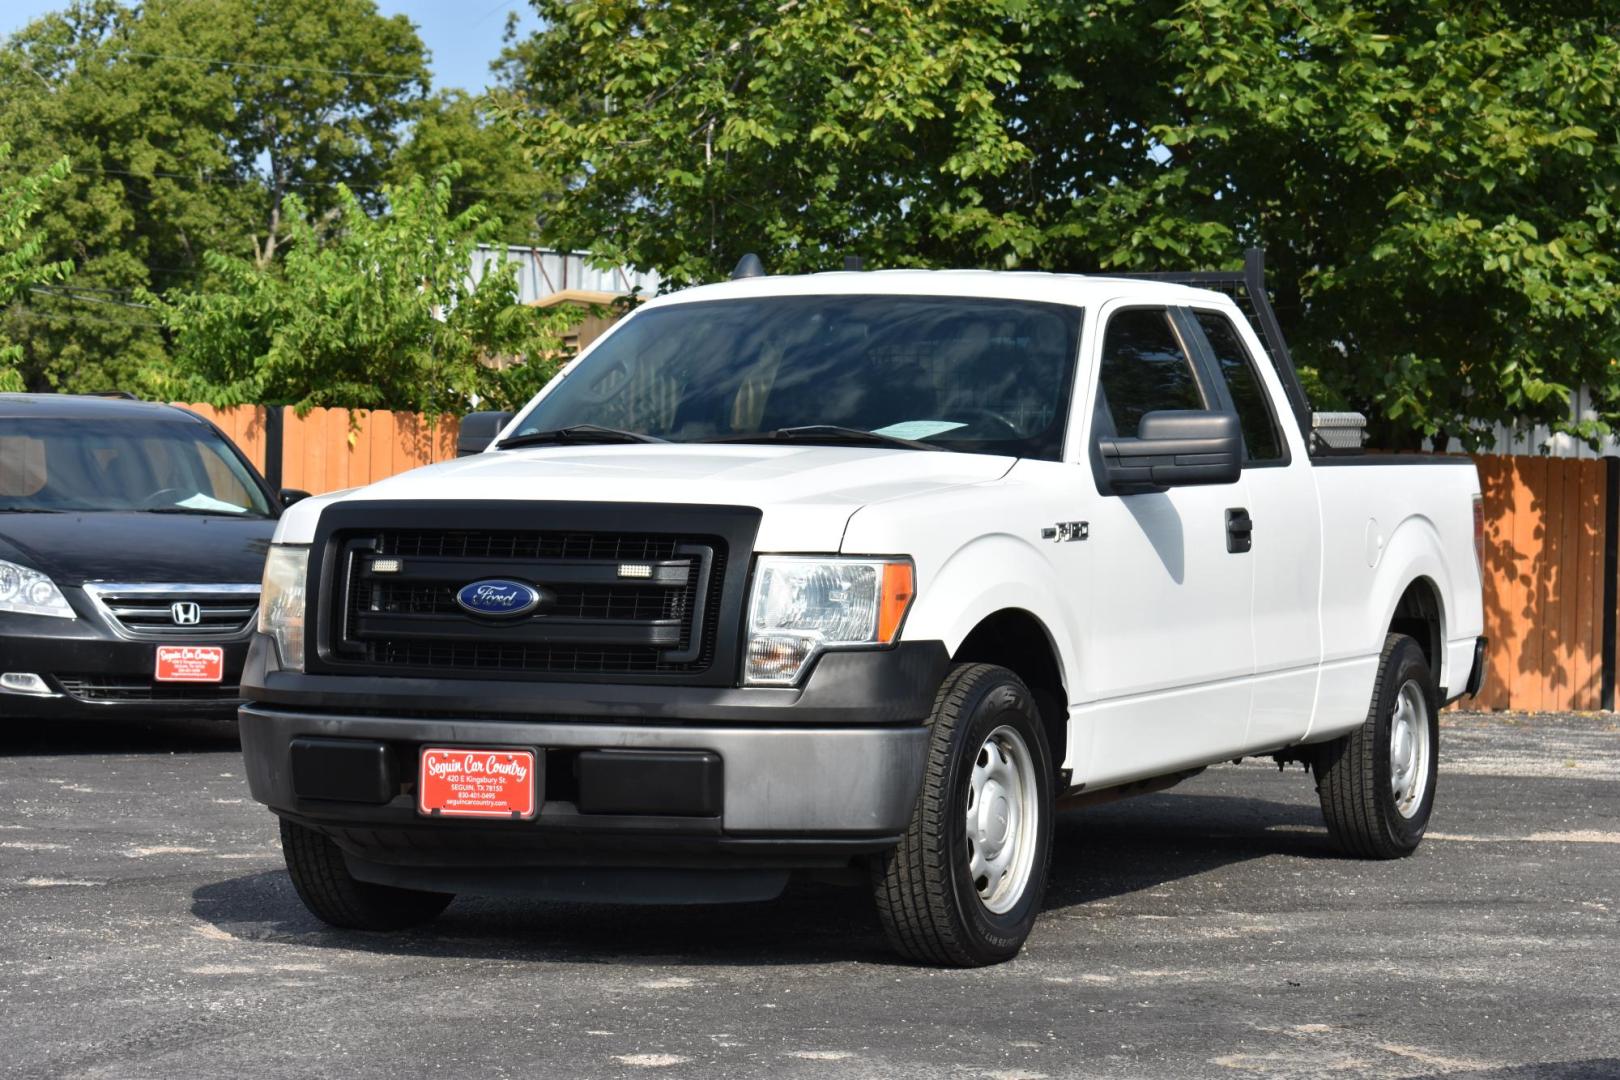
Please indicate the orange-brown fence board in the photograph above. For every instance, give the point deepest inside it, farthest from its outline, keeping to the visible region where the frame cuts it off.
(1544, 543)
(328, 450)
(1543, 582)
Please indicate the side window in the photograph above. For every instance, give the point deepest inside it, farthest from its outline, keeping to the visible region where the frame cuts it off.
(1144, 369)
(1261, 439)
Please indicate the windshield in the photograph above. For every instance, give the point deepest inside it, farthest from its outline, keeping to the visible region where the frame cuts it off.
(123, 465)
(974, 375)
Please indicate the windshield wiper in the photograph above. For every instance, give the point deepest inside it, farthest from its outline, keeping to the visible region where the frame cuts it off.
(28, 510)
(576, 433)
(196, 510)
(829, 433)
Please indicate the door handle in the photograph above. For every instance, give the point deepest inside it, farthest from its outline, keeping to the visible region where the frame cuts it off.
(1239, 530)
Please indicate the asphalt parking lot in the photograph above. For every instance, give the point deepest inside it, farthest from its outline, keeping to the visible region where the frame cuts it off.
(148, 930)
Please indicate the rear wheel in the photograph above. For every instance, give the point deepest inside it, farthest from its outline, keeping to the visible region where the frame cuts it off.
(338, 898)
(965, 883)
(1377, 783)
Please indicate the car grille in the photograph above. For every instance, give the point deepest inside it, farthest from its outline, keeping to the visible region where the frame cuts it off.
(120, 688)
(177, 612)
(595, 620)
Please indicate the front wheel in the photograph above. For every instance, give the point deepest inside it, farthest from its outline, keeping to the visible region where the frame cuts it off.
(338, 898)
(965, 884)
(1376, 784)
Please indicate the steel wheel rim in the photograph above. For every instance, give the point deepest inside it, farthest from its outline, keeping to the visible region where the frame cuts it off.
(1003, 816)
(1409, 749)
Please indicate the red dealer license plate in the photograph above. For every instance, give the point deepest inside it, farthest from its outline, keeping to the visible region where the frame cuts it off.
(190, 663)
(468, 782)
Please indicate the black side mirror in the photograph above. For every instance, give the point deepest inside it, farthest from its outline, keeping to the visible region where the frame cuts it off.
(292, 495)
(478, 430)
(1175, 449)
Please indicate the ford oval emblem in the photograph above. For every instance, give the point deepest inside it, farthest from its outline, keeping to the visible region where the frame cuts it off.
(500, 598)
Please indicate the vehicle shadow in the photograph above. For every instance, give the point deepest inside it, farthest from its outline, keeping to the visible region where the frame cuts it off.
(1111, 851)
(1584, 1069)
(134, 735)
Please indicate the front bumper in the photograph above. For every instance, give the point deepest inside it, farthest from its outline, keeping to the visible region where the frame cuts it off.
(798, 778)
(92, 673)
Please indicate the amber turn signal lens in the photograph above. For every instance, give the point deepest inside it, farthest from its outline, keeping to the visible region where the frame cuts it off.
(899, 587)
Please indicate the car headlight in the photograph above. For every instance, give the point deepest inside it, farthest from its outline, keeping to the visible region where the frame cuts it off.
(804, 605)
(281, 602)
(29, 592)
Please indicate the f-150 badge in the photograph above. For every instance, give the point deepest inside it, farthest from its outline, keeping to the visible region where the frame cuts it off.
(1067, 530)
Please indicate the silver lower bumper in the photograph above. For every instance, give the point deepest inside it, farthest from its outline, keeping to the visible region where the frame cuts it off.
(777, 781)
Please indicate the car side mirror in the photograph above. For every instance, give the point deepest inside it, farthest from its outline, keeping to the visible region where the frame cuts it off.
(1174, 449)
(289, 496)
(478, 430)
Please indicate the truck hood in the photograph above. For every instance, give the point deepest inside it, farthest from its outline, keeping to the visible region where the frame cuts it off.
(807, 493)
(72, 548)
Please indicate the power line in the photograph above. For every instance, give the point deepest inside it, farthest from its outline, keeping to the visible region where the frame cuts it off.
(309, 68)
(79, 297)
(226, 181)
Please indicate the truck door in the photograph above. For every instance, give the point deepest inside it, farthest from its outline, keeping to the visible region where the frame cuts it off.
(1287, 529)
(1170, 654)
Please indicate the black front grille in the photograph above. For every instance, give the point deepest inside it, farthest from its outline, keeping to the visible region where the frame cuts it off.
(598, 617)
(119, 688)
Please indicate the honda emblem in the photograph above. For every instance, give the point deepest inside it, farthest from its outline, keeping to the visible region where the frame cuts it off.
(185, 612)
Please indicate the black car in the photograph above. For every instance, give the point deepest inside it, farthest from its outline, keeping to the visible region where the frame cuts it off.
(132, 541)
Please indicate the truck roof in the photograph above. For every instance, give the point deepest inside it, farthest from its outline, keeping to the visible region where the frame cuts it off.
(1081, 290)
(86, 407)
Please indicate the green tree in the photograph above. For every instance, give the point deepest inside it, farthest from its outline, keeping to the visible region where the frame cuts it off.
(363, 312)
(457, 128)
(188, 123)
(20, 246)
(1437, 183)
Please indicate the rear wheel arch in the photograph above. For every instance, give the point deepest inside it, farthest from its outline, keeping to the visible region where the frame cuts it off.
(1019, 641)
(1420, 615)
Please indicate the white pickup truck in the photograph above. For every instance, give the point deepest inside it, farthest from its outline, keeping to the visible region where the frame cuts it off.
(859, 574)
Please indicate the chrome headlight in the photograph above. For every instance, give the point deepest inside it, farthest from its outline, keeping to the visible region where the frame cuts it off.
(281, 602)
(29, 592)
(804, 605)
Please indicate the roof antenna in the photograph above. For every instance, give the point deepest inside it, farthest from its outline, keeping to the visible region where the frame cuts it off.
(748, 266)
(852, 262)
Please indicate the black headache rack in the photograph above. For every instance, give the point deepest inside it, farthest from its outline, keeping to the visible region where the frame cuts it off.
(1248, 288)
(631, 592)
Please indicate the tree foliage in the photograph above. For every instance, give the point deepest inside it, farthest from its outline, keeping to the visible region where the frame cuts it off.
(361, 311)
(188, 123)
(457, 128)
(21, 243)
(1437, 184)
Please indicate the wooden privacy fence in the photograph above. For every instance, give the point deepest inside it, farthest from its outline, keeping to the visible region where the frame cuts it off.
(327, 450)
(1550, 581)
(1550, 540)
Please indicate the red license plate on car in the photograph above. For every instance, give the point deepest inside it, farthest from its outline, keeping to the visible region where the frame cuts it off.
(190, 663)
(470, 782)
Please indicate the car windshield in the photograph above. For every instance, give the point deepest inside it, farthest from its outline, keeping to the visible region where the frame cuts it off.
(154, 466)
(974, 375)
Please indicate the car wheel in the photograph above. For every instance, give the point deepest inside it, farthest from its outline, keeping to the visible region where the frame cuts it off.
(338, 898)
(1377, 783)
(965, 883)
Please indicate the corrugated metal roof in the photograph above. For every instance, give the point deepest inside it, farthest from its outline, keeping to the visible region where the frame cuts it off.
(542, 272)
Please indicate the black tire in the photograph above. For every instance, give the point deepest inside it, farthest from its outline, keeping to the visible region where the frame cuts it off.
(929, 905)
(337, 898)
(1354, 772)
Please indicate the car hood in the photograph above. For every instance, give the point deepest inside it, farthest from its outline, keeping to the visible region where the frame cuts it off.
(807, 493)
(73, 548)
